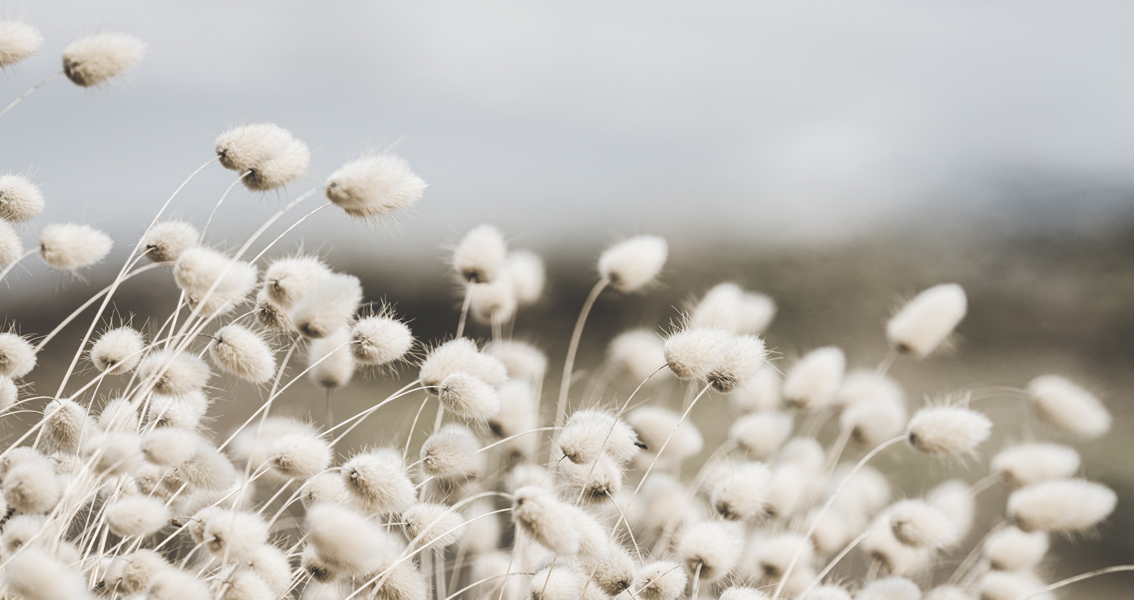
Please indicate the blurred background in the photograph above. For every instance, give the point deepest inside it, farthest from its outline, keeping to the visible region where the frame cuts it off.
(838, 156)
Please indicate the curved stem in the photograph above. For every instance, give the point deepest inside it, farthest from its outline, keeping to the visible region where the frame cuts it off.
(286, 231)
(15, 262)
(219, 202)
(569, 364)
(834, 561)
(465, 309)
(1076, 579)
(28, 93)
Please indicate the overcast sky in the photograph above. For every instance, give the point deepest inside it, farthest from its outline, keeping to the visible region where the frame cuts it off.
(580, 120)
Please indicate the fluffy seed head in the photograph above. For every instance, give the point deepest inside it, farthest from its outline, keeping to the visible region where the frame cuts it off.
(18, 41)
(1011, 586)
(495, 302)
(695, 353)
(170, 446)
(343, 538)
(1061, 505)
(451, 452)
(893, 588)
(638, 353)
(546, 519)
(813, 381)
(558, 582)
(947, 592)
(776, 552)
(268, 153)
(654, 425)
(742, 359)
(93, 59)
(73, 245)
(761, 393)
(872, 422)
(330, 359)
(516, 416)
(136, 515)
(35, 574)
(1011, 549)
(433, 525)
(955, 498)
(827, 592)
(920, 524)
(324, 487)
(208, 469)
(114, 453)
(1068, 407)
(132, 573)
(167, 240)
(711, 547)
(380, 340)
(461, 354)
(11, 247)
(174, 373)
(632, 264)
(894, 557)
(377, 479)
(198, 270)
(597, 481)
(118, 351)
(479, 256)
(289, 279)
(270, 314)
(184, 412)
(521, 360)
(300, 455)
(761, 434)
(467, 396)
(660, 580)
(30, 488)
(8, 393)
(20, 199)
(526, 273)
(234, 535)
(927, 320)
(64, 423)
(862, 385)
(271, 565)
(328, 306)
(591, 433)
(374, 186)
(940, 430)
(740, 495)
(176, 584)
(238, 351)
(1028, 464)
(17, 356)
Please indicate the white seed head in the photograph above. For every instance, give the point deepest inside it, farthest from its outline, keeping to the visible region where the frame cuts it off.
(546, 519)
(238, 351)
(300, 455)
(597, 481)
(34, 574)
(927, 320)
(947, 592)
(892, 588)
(176, 584)
(521, 360)
(113, 454)
(920, 524)
(433, 525)
(289, 279)
(786, 491)
(30, 488)
(20, 455)
(638, 354)
(272, 566)
(118, 351)
(325, 487)
(761, 434)
(756, 313)
(461, 354)
(270, 155)
(654, 425)
(1061, 505)
(832, 529)
(862, 385)
(746, 593)
(374, 186)
(9, 392)
(940, 430)
(998, 585)
(328, 306)
(380, 340)
(558, 582)
(516, 416)
(174, 373)
(21, 530)
(377, 479)
(73, 245)
(251, 444)
(167, 240)
(526, 272)
(402, 581)
(18, 41)
(64, 424)
(695, 353)
(11, 247)
(170, 446)
(199, 269)
(330, 360)
(743, 357)
(892, 556)
(346, 540)
(740, 495)
(93, 59)
(662, 580)
(590, 433)
(1028, 464)
(234, 535)
(208, 469)
(634, 263)
(483, 530)
(451, 452)
(272, 315)
(762, 392)
(184, 412)
(872, 422)
(814, 380)
(479, 256)
(1068, 407)
(719, 308)
(775, 553)
(20, 199)
(136, 515)
(243, 584)
(955, 498)
(495, 302)
(468, 397)
(132, 573)
(1011, 549)
(712, 547)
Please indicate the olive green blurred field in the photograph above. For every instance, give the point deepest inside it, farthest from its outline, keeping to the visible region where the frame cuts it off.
(1038, 304)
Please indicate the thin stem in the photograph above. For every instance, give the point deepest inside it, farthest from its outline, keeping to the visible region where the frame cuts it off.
(286, 231)
(13, 264)
(696, 582)
(28, 93)
(465, 309)
(221, 201)
(569, 364)
(834, 561)
(78, 311)
(1076, 579)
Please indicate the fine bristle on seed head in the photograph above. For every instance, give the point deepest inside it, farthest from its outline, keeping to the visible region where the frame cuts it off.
(93, 59)
(479, 256)
(238, 351)
(20, 199)
(927, 320)
(380, 340)
(1068, 407)
(73, 245)
(17, 356)
(814, 380)
(18, 41)
(695, 353)
(943, 430)
(634, 263)
(167, 240)
(1062, 505)
(328, 306)
(118, 351)
(374, 186)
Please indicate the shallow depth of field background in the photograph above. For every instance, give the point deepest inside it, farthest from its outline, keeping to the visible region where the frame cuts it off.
(837, 156)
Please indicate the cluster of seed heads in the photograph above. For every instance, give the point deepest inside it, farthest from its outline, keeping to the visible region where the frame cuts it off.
(121, 490)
